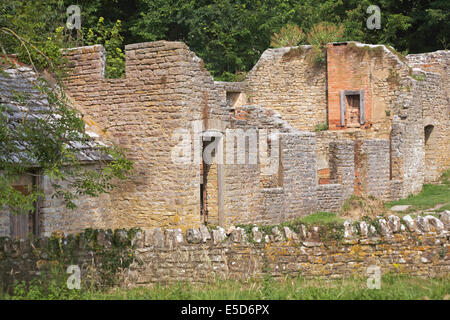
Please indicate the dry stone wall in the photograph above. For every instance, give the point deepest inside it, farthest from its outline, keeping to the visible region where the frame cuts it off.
(298, 159)
(372, 168)
(402, 246)
(330, 197)
(203, 256)
(342, 165)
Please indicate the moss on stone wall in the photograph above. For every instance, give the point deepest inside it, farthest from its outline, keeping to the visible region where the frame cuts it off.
(101, 255)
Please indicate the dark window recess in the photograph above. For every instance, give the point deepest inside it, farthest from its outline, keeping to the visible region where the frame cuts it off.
(204, 171)
(428, 131)
(232, 97)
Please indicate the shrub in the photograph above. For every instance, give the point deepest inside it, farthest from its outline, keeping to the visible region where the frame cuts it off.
(289, 36)
(321, 34)
(112, 40)
(321, 127)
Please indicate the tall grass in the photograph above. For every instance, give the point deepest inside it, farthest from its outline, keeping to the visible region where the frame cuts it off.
(296, 288)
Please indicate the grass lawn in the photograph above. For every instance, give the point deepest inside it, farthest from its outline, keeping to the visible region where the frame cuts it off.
(430, 196)
(320, 217)
(392, 287)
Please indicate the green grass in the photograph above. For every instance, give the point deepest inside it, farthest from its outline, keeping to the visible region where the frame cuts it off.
(320, 218)
(430, 196)
(392, 287)
(443, 208)
(321, 127)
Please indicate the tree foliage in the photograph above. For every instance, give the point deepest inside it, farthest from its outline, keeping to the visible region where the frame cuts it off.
(230, 35)
(112, 41)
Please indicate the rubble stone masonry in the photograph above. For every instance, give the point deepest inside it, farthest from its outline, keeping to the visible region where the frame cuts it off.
(402, 142)
(400, 246)
(286, 81)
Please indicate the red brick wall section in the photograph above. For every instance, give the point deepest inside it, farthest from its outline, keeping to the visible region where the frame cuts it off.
(346, 71)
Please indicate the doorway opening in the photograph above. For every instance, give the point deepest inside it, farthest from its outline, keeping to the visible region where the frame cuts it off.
(354, 110)
(26, 223)
(208, 182)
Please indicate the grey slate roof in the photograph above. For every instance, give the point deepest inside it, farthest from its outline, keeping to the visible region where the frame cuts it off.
(19, 80)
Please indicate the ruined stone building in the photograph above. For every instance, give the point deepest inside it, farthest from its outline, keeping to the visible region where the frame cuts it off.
(370, 122)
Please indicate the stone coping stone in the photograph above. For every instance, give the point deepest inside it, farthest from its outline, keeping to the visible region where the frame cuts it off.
(400, 208)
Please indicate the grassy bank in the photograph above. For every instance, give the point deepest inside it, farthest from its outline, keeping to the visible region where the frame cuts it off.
(392, 287)
(430, 196)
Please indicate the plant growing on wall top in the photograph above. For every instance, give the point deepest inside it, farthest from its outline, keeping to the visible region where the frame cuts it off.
(321, 34)
(112, 40)
(318, 36)
(289, 36)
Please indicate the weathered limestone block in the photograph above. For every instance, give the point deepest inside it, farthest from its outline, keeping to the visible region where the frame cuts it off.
(445, 218)
(394, 223)
(277, 235)
(422, 224)
(178, 236)
(148, 233)
(314, 234)
(385, 230)
(173, 238)
(138, 240)
(364, 229)
(257, 235)
(204, 232)
(154, 238)
(410, 223)
(193, 236)
(348, 233)
(219, 235)
(290, 235)
(230, 230)
(434, 224)
(372, 231)
(312, 244)
(303, 231)
(238, 235)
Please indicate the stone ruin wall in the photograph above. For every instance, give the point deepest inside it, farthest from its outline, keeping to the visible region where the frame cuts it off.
(139, 117)
(166, 87)
(285, 81)
(435, 99)
(422, 101)
(400, 102)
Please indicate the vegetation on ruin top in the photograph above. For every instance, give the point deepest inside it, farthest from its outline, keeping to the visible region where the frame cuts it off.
(229, 36)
